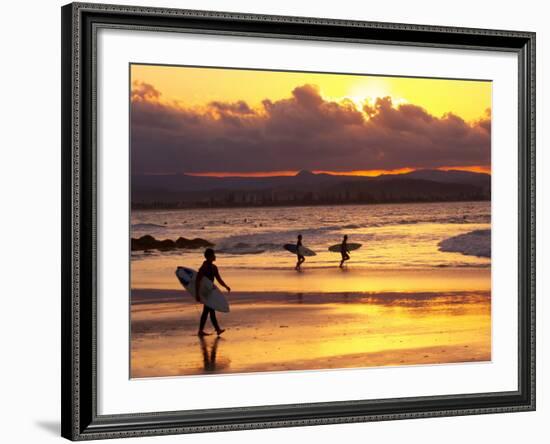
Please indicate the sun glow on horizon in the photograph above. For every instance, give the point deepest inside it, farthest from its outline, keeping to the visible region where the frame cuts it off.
(367, 173)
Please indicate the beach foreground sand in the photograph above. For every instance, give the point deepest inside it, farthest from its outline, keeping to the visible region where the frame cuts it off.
(281, 331)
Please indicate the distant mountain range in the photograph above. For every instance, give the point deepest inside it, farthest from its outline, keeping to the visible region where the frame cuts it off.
(307, 188)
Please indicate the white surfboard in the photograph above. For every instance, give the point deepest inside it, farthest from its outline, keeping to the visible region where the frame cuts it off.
(209, 294)
(304, 251)
(337, 248)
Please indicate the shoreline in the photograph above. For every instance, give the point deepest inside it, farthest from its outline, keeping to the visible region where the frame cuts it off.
(182, 296)
(324, 280)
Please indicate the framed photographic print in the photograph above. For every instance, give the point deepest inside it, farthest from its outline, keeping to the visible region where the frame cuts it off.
(280, 221)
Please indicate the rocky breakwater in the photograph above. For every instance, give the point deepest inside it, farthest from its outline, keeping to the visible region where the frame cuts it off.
(148, 242)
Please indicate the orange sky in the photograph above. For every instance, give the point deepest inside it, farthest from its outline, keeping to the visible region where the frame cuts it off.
(199, 86)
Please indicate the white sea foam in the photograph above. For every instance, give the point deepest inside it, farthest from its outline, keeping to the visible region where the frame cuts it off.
(147, 226)
(474, 243)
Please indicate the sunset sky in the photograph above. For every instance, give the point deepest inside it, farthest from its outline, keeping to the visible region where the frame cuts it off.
(221, 122)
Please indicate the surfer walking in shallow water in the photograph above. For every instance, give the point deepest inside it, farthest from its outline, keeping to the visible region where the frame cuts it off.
(344, 251)
(299, 255)
(209, 271)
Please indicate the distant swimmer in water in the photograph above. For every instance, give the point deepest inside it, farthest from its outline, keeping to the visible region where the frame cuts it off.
(344, 251)
(299, 255)
(210, 271)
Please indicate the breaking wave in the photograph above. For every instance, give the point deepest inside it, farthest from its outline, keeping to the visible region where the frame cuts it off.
(474, 243)
(145, 226)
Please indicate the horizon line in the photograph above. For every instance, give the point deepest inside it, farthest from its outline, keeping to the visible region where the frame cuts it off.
(365, 173)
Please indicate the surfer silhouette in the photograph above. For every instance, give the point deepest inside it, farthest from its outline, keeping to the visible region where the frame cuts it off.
(344, 251)
(299, 255)
(209, 271)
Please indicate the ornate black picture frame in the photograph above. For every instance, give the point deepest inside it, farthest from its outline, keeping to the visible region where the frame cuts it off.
(80, 420)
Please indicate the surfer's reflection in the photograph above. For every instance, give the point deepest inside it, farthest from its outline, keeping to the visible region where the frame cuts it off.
(210, 358)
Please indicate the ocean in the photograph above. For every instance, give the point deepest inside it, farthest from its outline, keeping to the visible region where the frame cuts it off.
(393, 236)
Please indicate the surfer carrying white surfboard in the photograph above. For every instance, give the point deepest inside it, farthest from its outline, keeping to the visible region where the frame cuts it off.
(344, 251)
(299, 255)
(209, 271)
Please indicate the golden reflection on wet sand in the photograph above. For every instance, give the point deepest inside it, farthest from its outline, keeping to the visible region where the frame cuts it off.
(306, 331)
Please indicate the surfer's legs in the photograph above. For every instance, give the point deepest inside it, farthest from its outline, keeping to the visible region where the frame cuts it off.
(301, 260)
(214, 320)
(204, 316)
(345, 257)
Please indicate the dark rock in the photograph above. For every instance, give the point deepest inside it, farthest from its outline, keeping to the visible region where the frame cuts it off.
(166, 244)
(144, 243)
(148, 242)
(182, 242)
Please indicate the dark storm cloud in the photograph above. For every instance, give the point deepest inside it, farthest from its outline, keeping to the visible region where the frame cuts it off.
(303, 131)
(240, 107)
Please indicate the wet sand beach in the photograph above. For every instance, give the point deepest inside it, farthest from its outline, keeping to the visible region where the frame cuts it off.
(281, 331)
(158, 273)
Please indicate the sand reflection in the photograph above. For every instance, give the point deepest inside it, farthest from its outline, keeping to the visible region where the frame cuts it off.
(209, 350)
(303, 331)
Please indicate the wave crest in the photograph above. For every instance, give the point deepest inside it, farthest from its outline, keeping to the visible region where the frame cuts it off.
(474, 243)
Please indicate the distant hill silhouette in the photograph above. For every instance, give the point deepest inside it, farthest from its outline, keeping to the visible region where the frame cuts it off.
(307, 188)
